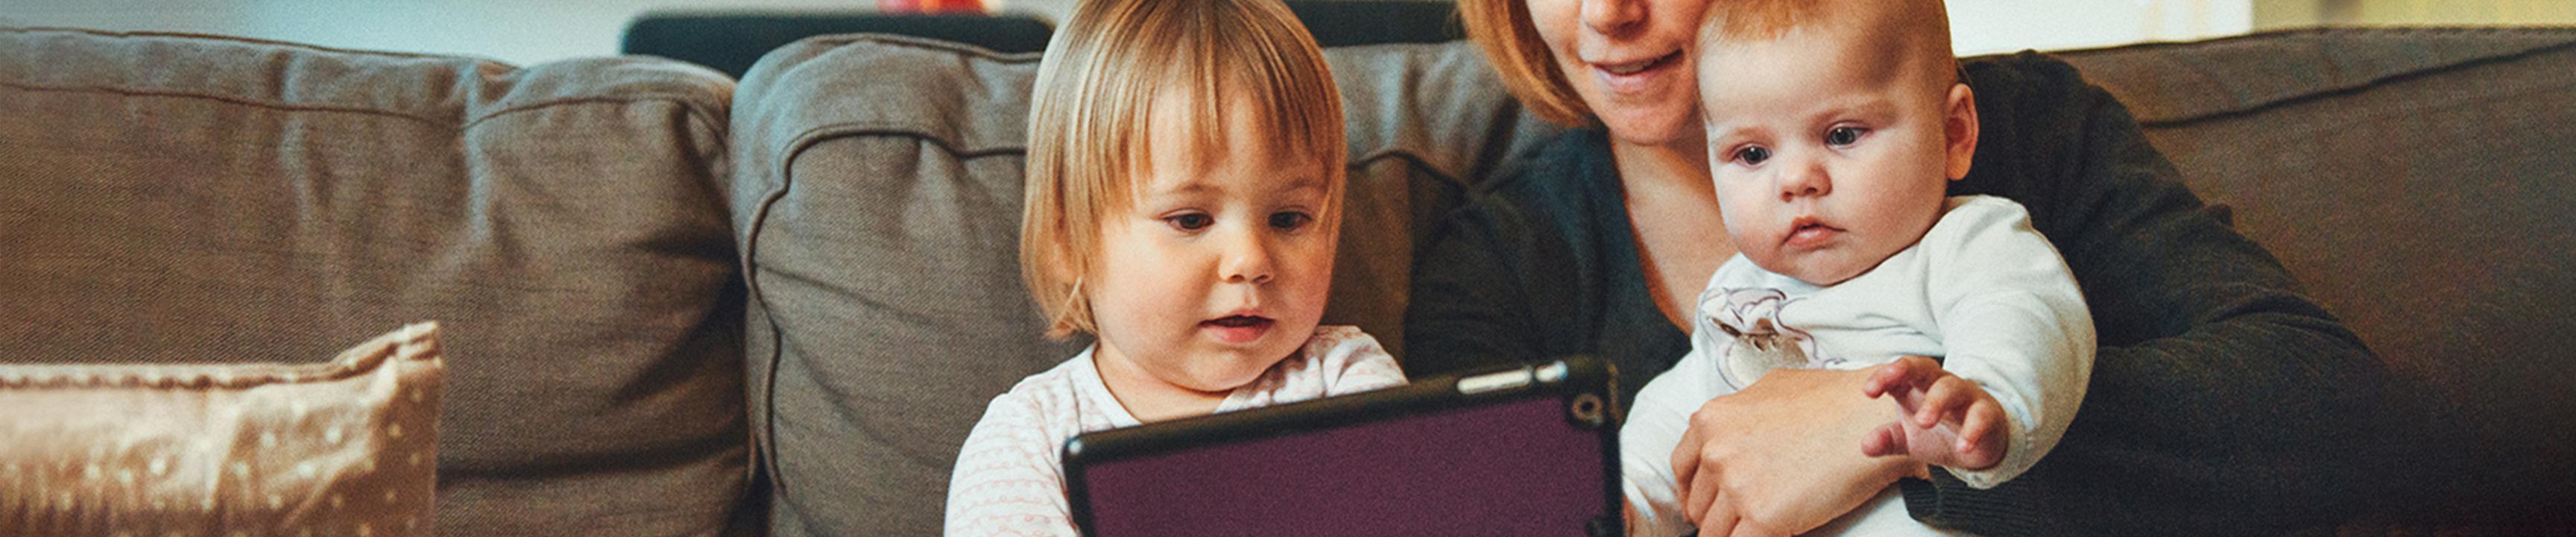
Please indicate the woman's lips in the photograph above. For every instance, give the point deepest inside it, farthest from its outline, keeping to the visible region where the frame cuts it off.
(1237, 329)
(1636, 76)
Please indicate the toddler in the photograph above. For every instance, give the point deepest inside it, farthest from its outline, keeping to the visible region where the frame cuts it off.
(1185, 186)
(1834, 128)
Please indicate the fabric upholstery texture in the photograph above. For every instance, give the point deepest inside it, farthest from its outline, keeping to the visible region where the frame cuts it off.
(877, 188)
(2417, 181)
(195, 199)
(343, 447)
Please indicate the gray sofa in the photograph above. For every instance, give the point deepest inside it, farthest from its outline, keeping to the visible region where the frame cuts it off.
(675, 305)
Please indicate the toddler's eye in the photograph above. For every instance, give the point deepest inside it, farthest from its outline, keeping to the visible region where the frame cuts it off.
(1842, 136)
(1752, 155)
(1290, 220)
(1190, 222)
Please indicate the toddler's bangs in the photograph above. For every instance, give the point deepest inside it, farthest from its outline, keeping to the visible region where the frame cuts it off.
(1214, 57)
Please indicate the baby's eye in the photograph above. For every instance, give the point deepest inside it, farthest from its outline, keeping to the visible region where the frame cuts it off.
(1290, 220)
(1190, 222)
(1842, 136)
(1752, 155)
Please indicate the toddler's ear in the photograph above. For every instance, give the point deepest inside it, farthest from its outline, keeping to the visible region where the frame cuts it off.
(1959, 129)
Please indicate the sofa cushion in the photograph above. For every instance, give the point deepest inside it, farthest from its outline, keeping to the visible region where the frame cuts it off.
(334, 448)
(877, 190)
(2418, 182)
(182, 199)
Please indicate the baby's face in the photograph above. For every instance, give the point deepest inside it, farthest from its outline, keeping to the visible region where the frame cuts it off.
(1827, 152)
(1220, 267)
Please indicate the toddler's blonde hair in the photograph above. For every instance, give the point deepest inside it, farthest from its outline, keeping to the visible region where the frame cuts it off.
(1088, 118)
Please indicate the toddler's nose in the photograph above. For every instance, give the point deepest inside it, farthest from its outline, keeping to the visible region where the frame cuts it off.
(1247, 260)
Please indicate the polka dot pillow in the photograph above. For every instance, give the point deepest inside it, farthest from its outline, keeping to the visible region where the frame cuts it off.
(347, 447)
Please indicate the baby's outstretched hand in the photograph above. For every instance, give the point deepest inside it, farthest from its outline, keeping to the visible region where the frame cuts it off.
(1949, 421)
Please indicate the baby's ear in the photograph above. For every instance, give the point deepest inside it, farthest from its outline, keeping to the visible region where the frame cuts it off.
(1959, 129)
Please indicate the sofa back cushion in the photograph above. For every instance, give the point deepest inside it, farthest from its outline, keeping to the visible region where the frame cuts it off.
(877, 190)
(2417, 181)
(182, 199)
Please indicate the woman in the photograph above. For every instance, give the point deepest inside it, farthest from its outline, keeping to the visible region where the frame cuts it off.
(2213, 371)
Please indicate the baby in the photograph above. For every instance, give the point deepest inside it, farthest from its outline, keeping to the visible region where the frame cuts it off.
(1185, 178)
(1834, 128)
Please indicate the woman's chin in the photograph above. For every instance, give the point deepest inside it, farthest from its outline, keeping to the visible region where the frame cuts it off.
(1652, 126)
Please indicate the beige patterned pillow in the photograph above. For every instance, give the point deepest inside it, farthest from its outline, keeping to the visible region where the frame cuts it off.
(347, 447)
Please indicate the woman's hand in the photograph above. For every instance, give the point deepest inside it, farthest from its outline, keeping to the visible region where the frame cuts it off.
(1777, 458)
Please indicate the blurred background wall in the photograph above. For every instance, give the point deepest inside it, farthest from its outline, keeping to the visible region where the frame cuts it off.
(530, 31)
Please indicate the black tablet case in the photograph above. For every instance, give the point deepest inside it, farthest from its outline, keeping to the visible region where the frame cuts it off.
(1530, 450)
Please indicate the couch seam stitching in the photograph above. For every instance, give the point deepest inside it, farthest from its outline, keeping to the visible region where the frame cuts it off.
(2361, 87)
(241, 40)
(696, 115)
(129, 92)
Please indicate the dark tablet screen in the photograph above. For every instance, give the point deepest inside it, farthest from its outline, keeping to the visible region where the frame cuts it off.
(1527, 451)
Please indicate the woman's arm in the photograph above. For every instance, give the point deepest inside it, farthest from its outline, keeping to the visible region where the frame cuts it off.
(2222, 400)
(1510, 277)
(1467, 308)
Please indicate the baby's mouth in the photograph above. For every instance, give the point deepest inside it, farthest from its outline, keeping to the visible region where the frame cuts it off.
(1808, 231)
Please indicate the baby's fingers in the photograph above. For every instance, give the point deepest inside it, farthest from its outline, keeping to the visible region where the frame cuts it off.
(1905, 372)
(1948, 396)
(1888, 440)
(1981, 441)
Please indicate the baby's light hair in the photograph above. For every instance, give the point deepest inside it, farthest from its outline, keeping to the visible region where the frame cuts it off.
(1094, 98)
(1921, 27)
(1759, 20)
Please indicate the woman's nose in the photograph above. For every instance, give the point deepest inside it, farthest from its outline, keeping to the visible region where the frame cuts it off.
(1613, 17)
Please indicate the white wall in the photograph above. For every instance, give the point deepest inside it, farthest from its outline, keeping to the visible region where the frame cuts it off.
(516, 31)
(529, 31)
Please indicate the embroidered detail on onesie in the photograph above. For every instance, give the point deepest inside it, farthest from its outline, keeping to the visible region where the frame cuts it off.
(1751, 317)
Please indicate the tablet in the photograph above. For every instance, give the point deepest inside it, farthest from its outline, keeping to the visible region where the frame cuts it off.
(1527, 450)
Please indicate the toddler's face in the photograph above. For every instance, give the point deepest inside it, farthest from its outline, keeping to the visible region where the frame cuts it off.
(1827, 152)
(1220, 267)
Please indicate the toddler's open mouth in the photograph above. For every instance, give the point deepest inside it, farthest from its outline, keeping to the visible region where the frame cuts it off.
(1238, 321)
(1238, 328)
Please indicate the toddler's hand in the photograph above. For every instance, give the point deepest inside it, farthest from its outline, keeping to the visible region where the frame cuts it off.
(1949, 421)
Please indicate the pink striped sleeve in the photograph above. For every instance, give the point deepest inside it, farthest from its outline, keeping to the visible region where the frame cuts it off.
(1008, 479)
(1360, 364)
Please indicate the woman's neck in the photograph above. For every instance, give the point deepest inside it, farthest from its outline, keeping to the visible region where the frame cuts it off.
(1678, 164)
(1672, 208)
